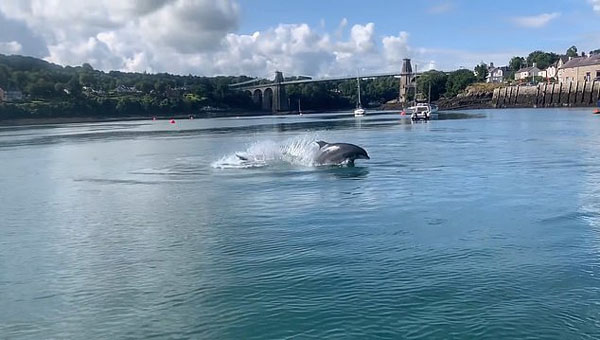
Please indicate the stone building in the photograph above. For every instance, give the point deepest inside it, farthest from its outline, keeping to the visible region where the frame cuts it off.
(580, 69)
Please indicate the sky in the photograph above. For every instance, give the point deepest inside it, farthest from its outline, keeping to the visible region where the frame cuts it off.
(316, 38)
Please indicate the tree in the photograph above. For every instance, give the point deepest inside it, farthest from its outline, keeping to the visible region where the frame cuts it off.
(541, 59)
(87, 67)
(436, 79)
(516, 63)
(572, 52)
(458, 81)
(41, 88)
(482, 72)
(595, 52)
(74, 86)
(144, 86)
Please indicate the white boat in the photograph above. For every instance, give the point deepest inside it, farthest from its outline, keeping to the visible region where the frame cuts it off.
(422, 111)
(359, 111)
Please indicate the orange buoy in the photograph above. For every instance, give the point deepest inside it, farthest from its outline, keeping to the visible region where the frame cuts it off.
(597, 111)
(403, 113)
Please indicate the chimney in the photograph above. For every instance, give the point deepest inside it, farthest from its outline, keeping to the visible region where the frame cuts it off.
(534, 64)
(570, 58)
(491, 65)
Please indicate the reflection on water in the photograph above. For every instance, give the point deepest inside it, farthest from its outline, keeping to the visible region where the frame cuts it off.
(460, 228)
(53, 134)
(345, 172)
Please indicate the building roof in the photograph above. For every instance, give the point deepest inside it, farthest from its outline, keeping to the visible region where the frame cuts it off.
(562, 58)
(528, 69)
(593, 59)
(501, 68)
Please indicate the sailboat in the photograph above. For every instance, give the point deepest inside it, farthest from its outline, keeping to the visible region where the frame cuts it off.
(359, 111)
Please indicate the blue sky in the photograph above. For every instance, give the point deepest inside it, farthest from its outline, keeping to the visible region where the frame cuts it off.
(310, 37)
(468, 24)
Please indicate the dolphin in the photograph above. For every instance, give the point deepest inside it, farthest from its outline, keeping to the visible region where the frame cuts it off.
(339, 153)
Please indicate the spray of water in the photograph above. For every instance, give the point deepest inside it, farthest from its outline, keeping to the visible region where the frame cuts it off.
(300, 151)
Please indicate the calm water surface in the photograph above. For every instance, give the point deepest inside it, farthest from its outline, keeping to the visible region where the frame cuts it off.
(483, 227)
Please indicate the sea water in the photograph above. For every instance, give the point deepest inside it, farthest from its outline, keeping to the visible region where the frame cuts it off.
(477, 225)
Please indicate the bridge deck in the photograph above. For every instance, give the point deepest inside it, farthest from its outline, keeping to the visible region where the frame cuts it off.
(304, 81)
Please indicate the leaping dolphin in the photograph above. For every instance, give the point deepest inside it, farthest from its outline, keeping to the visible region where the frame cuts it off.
(339, 153)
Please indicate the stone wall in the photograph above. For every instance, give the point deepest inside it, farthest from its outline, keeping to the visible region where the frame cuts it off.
(548, 95)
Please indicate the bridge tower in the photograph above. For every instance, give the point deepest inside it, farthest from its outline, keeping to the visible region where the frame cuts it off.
(280, 99)
(407, 85)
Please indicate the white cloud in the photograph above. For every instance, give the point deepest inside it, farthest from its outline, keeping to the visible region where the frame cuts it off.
(443, 7)
(199, 37)
(396, 48)
(341, 27)
(596, 4)
(536, 21)
(11, 47)
(189, 26)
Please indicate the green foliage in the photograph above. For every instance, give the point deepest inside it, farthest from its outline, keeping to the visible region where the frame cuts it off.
(572, 52)
(458, 81)
(542, 59)
(482, 72)
(52, 90)
(342, 94)
(516, 63)
(434, 80)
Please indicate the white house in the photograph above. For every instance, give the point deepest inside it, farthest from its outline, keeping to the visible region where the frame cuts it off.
(552, 70)
(497, 74)
(528, 72)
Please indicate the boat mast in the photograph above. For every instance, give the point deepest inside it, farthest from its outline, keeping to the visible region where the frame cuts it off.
(429, 94)
(416, 84)
(358, 81)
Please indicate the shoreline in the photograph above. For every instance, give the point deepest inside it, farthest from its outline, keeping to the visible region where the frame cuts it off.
(100, 119)
(230, 114)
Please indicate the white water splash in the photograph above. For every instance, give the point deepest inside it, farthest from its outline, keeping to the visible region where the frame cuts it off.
(300, 151)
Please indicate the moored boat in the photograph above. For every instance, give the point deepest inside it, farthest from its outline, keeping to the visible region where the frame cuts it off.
(422, 111)
(359, 111)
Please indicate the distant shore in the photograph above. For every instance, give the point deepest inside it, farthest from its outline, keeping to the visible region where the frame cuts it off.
(101, 119)
(445, 105)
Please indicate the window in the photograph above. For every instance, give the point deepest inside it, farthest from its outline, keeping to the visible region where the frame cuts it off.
(588, 76)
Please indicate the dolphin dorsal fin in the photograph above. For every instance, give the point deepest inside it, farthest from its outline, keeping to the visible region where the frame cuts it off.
(321, 143)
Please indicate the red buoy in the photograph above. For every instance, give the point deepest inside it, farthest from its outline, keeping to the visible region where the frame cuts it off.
(172, 121)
